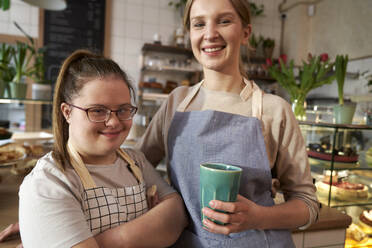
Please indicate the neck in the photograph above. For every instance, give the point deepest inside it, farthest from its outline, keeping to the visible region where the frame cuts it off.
(219, 81)
(97, 159)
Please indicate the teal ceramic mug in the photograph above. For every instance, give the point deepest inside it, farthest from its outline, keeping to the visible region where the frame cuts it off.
(218, 182)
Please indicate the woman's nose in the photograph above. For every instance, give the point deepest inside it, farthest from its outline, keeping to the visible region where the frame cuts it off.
(112, 120)
(211, 32)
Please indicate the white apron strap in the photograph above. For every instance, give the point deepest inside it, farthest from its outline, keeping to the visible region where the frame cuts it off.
(183, 105)
(80, 168)
(257, 102)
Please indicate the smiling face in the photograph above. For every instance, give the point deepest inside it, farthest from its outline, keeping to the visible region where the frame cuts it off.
(216, 34)
(97, 142)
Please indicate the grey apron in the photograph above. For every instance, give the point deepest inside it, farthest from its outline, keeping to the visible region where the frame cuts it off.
(211, 136)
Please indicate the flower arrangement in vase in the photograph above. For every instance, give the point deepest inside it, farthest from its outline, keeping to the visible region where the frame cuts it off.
(343, 113)
(313, 73)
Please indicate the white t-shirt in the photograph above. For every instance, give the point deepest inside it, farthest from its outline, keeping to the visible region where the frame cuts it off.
(50, 201)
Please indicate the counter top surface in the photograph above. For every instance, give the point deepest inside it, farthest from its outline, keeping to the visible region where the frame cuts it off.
(329, 218)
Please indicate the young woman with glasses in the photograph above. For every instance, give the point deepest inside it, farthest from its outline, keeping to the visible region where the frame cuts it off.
(88, 192)
(226, 118)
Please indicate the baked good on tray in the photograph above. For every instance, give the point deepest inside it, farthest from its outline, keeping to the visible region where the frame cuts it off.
(365, 221)
(324, 152)
(11, 152)
(343, 190)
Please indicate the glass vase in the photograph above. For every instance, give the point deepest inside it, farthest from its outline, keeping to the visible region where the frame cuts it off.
(299, 108)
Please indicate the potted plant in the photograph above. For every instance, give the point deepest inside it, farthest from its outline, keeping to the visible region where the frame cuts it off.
(343, 113)
(255, 45)
(268, 47)
(21, 60)
(7, 72)
(41, 87)
(312, 74)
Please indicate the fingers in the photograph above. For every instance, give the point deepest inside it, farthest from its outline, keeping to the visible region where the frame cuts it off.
(10, 230)
(210, 226)
(230, 207)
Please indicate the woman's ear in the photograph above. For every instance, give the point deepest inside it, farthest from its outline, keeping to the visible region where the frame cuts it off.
(246, 33)
(66, 111)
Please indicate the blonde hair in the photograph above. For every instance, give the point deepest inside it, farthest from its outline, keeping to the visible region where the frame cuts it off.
(79, 68)
(241, 7)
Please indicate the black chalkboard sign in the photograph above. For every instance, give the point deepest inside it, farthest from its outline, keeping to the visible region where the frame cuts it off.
(80, 26)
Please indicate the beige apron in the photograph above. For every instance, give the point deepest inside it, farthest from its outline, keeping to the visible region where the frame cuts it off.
(106, 208)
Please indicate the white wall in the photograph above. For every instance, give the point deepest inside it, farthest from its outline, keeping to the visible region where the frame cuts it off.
(25, 15)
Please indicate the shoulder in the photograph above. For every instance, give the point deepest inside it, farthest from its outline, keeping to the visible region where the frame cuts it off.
(276, 107)
(45, 179)
(179, 93)
(275, 102)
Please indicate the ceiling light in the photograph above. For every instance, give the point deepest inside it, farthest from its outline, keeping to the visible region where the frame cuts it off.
(48, 4)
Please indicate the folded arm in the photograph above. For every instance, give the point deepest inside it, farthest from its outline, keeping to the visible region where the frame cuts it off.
(159, 227)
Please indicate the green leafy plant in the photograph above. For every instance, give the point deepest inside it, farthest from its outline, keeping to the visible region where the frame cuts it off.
(177, 4)
(312, 74)
(7, 72)
(4, 4)
(340, 67)
(37, 70)
(255, 41)
(256, 10)
(268, 43)
(21, 61)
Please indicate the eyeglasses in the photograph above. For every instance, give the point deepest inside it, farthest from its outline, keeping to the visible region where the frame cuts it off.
(102, 114)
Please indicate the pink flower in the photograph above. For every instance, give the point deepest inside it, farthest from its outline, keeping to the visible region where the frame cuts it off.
(324, 57)
(269, 62)
(283, 58)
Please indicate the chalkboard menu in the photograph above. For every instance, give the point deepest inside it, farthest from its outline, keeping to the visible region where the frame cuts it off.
(80, 26)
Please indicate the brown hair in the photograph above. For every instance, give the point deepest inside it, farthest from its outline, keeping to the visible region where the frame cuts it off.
(241, 7)
(79, 68)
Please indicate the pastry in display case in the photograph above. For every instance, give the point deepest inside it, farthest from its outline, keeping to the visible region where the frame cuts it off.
(340, 157)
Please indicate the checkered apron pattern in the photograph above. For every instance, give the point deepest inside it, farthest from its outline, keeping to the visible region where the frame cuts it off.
(106, 208)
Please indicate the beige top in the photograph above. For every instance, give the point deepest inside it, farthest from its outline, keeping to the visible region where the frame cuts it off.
(285, 145)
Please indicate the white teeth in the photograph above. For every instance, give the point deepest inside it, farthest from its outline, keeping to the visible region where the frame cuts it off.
(209, 50)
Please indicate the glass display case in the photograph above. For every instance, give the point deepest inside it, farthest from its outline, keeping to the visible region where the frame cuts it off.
(340, 157)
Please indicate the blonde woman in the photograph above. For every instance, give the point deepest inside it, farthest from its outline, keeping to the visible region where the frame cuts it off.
(226, 118)
(88, 192)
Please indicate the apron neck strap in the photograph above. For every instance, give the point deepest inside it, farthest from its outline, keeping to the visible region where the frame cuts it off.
(132, 165)
(79, 166)
(82, 171)
(257, 97)
(183, 105)
(251, 88)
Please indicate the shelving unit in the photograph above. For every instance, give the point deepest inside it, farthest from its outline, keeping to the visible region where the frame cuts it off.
(32, 110)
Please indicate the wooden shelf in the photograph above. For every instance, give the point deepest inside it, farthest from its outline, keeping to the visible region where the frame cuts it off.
(149, 47)
(171, 69)
(25, 101)
(332, 125)
(154, 96)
